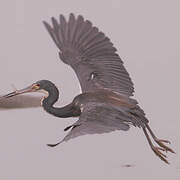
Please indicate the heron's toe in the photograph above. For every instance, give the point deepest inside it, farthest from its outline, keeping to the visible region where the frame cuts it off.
(162, 140)
(157, 151)
(166, 148)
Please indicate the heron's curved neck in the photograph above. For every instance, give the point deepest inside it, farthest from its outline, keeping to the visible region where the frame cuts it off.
(67, 111)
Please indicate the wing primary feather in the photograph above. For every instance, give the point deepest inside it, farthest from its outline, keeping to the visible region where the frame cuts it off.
(62, 28)
(86, 29)
(80, 23)
(51, 32)
(56, 30)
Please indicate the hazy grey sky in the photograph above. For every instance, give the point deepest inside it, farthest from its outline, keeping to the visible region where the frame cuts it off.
(146, 34)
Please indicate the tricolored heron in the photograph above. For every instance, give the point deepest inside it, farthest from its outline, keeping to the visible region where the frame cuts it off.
(105, 103)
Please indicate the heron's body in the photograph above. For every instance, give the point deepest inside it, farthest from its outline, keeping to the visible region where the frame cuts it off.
(105, 103)
(100, 98)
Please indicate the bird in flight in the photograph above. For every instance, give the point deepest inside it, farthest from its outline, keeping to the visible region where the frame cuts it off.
(106, 102)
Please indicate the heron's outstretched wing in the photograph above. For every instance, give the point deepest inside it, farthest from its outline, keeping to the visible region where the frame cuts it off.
(91, 54)
(96, 119)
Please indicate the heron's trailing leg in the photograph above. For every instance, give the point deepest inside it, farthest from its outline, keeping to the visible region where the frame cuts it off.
(156, 150)
(160, 142)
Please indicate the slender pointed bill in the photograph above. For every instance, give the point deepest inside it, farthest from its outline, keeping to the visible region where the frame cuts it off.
(28, 89)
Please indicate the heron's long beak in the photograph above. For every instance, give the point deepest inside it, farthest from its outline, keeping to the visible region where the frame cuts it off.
(21, 91)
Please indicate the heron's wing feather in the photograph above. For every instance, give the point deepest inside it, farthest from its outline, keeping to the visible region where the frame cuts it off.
(97, 120)
(91, 54)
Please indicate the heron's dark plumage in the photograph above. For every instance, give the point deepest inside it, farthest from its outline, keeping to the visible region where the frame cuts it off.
(101, 74)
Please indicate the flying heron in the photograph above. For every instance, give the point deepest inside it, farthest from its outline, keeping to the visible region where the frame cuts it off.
(105, 103)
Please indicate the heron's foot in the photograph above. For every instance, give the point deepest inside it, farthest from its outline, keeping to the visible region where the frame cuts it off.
(161, 142)
(157, 151)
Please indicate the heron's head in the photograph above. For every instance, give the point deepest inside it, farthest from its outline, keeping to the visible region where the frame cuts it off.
(44, 86)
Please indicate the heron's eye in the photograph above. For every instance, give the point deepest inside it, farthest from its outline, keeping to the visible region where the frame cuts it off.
(36, 86)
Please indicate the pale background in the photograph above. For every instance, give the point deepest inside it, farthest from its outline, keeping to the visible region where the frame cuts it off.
(146, 34)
